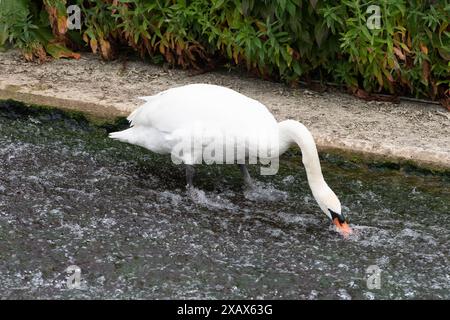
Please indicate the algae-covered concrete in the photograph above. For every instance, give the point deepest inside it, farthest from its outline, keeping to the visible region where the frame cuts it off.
(413, 132)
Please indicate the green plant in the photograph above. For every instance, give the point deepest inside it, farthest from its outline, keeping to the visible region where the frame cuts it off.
(288, 40)
(410, 52)
(28, 26)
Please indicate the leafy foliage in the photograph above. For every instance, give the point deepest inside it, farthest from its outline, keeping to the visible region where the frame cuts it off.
(284, 39)
(36, 27)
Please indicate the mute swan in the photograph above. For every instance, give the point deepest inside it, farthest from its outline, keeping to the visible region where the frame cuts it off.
(209, 117)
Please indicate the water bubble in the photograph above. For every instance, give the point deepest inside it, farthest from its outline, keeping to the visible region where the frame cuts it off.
(343, 294)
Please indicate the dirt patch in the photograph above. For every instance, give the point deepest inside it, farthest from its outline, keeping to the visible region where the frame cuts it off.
(414, 132)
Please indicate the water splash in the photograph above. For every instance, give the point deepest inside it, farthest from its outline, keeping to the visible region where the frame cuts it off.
(69, 195)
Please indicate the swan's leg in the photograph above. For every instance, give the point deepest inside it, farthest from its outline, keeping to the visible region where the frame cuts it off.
(190, 171)
(247, 179)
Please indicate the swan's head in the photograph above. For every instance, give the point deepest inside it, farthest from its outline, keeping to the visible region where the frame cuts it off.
(331, 206)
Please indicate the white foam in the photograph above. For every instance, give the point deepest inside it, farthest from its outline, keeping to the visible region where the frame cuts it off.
(264, 192)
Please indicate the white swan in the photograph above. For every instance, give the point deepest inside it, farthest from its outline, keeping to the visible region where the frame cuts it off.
(208, 117)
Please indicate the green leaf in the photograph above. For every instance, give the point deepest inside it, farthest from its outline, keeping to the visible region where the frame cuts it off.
(320, 33)
(297, 68)
(291, 8)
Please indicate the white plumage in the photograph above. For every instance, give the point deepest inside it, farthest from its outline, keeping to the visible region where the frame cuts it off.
(200, 109)
(214, 114)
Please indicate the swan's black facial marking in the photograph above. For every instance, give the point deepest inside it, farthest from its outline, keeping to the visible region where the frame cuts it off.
(334, 215)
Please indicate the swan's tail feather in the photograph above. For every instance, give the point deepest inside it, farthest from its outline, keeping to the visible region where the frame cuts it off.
(124, 136)
(131, 117)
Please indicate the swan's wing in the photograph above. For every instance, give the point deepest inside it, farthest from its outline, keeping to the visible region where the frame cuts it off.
(202, 105)
(141, 114)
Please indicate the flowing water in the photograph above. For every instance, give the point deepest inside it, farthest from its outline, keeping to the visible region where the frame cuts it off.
(71, 196)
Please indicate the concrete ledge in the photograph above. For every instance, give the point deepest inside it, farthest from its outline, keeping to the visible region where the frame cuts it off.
(65, 104)
(417, 133)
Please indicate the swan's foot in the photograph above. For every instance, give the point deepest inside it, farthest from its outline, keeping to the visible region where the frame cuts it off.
(247, 179)
(190, 172)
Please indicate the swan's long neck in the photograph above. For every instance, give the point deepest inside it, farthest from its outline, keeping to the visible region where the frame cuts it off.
(291, 131)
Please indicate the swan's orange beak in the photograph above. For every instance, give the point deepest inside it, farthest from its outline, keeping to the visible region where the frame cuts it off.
(342, 228)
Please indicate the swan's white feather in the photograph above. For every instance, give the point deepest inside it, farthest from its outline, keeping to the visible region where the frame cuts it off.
(204, 112)
(166, 117)
(208, 104)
